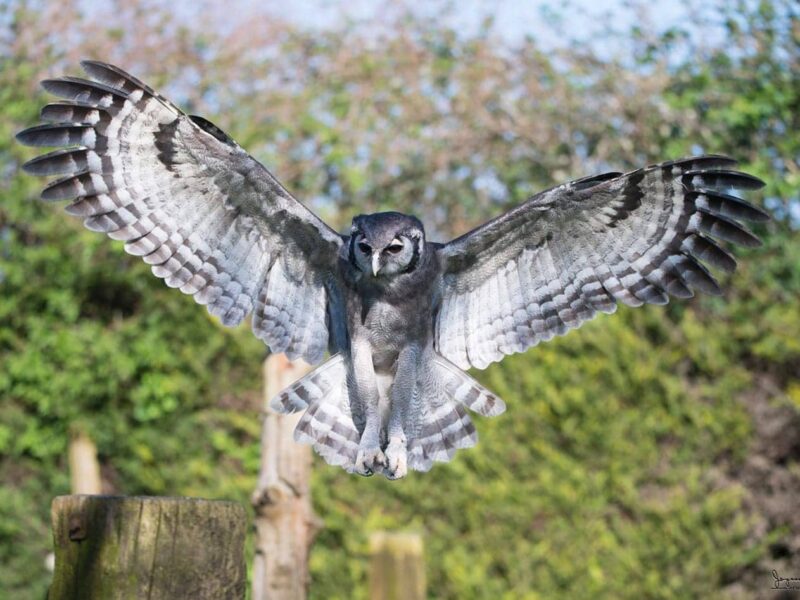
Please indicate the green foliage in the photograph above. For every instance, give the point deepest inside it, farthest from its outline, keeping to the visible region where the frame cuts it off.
(613, 472)
(90, 341)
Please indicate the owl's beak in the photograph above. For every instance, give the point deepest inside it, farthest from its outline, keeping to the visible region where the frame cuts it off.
(376, 266)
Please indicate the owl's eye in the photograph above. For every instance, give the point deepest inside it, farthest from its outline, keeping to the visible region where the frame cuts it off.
(394, 248)
(364, 247)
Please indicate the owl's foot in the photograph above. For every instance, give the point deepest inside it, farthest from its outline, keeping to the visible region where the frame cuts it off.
(369, 459)
(396, 459)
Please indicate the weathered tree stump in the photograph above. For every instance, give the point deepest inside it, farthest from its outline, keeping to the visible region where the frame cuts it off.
(397, 568)
(285, 521)
(115, 547)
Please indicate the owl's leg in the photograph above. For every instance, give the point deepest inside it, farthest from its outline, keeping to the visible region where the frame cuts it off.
(370, 457)
(403, 387)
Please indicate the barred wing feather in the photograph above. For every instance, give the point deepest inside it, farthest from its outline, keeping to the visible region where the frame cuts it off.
(568, 253)
(184, 196)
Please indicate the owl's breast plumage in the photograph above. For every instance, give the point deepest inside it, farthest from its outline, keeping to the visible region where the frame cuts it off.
(392, 314)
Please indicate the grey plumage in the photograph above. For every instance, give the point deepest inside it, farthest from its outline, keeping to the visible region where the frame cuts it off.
(402, 317)
(551, 264)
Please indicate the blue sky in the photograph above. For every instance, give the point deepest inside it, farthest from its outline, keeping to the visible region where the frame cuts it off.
(550, 22)
(514, 19)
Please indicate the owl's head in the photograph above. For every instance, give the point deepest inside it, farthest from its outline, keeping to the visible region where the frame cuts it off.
(386, 244)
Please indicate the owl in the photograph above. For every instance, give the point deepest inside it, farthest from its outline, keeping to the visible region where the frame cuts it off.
(401, 318)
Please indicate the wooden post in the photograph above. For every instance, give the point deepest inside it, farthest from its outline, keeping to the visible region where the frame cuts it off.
(118, 547)
(285, 521)
(84, 470)
(397, 569)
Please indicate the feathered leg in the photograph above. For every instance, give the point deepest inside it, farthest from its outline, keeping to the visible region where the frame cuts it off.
(364, 390)
(402, 394)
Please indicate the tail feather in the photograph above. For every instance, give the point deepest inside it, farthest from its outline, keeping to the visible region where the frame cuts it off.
(316, 385)
(438, 423)
(466, 390)
(327, 424)
(445, 430)
(331, 433)
(445, 426)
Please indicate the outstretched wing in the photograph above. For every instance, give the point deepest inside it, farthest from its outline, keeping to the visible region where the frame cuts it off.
(181, 194)
(552, 263)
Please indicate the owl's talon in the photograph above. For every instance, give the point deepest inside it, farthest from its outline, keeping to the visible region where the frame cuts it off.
(369, 460)
(396, 459)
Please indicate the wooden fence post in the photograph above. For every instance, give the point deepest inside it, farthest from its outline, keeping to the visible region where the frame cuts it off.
(285, 521)
(84, 469)
(121, 547)
(397, 569)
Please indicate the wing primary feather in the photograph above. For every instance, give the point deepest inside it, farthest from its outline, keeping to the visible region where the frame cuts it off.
(726, 229)
(74, 112)
(71, 161)
(727, 205)
(58, 134)
(706, 250)
(722, 179)
(85, 183)
(86, 91)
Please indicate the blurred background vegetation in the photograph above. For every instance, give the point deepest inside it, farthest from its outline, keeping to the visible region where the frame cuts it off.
(653, 453)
